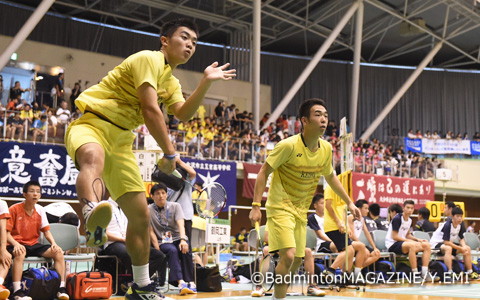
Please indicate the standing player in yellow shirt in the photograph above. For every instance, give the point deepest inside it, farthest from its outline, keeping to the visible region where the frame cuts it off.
(100, 142)
(297, 164)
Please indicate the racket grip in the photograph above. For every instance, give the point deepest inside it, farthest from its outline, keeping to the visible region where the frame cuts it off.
(176, 174)
(257, 227)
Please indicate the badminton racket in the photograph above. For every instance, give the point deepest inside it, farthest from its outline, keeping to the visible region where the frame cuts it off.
(211, 200)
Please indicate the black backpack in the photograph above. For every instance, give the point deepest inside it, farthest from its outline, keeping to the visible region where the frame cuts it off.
(41, 284)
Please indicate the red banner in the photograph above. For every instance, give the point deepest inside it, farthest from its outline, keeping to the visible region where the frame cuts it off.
(386, 190)
(250, 172)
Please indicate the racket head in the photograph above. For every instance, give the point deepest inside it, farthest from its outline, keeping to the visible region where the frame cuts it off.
(267, 267)
(211, 200)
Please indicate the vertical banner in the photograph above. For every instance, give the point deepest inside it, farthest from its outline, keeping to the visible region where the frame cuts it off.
(250, 172)
(50, 165)
(210, 171)
(386, 190)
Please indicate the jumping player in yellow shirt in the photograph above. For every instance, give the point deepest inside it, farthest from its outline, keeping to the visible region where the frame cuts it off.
(297, 164)
(100, 142)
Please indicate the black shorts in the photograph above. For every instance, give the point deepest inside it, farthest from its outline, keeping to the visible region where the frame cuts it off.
(338, 239)
(439, 245)
(324, 247)
(396, 248)
(33, 250)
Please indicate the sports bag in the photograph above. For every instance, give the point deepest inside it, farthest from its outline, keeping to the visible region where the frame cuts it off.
(89, 285)
(209, 279)
(41, 283)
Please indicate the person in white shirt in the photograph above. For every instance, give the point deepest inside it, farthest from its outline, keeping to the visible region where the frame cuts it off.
(63, 114)
(115, 245)
(400, 240)
(445, 237)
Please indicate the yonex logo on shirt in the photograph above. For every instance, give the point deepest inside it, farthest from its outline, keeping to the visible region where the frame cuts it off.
(299, 155)
(307, 174)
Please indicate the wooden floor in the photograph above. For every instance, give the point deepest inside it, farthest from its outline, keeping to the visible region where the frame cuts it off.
(398, 292)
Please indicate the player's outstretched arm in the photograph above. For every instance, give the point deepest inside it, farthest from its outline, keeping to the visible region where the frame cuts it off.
(260, 185)
(337, 187)
(155, 123)
(184, 111)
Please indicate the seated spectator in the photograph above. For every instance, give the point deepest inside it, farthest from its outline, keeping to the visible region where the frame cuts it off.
(411, 135)
(436, 136)
(241, 240)
(444, 239)
(5, 256)
(52, 121)
(63, 114)
(168, 235)
(476, 136)
(14, 124)
(418, 134)
(28, 219)
(39, 127)
(471, 227)
(423, 224)
(315, 221)
(12, 104)
(26, 114)
(373, 219)
(115, 245)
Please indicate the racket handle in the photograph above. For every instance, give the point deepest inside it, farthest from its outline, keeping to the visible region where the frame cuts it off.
(257, 227)
(176, 174)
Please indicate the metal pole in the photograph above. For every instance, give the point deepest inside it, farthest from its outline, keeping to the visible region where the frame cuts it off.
(401, 92)
(311, 65)
(356, 70)
(257, 12)
(25, 31)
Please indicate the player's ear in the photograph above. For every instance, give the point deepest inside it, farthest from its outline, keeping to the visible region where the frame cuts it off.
(163, 41)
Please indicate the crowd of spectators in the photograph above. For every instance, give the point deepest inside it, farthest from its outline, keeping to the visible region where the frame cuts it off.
(449, 135)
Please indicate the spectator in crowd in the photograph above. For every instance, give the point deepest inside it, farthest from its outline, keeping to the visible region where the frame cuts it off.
(476, 136)
(444, 239)
(373, 219)
(411, 135)
(115, 245)
(241, 240)
(63, 114)
(435, 135)
(471, 227)
(220, 112)
(168, 235)
(76, 91)
(15, 124)
(418, 134)
(26, 114)
(59, 86)
(423, 224)
(56, 210)
(39, 127)
(52, 121)
(447, 210)
(16, 91)
(28, 219)
(12, 104)
(5, 256)
(400, 240)
(315, 221)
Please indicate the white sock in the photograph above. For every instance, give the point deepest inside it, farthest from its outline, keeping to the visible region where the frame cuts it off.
(415, 270)
(140, 275)
(469, 271)
(357, 271)
(273, 298)
(450, 271)
(16, 286)
(424, 270)
(62, 284)
(2, 280)
(192, 284)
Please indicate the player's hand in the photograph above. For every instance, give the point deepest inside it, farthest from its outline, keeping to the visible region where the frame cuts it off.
(19, 250)
(342, 229)
(55, 248)
(167, 166)
(255, 215)
(5, 258)
(213, 72)
(355, 211)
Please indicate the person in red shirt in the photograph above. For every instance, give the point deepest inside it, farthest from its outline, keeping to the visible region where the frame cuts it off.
(27, 220)
(5, 257)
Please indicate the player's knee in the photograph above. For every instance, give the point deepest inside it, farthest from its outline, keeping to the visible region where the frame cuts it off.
(308, 252)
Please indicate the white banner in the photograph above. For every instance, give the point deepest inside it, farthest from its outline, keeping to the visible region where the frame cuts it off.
(442, 146)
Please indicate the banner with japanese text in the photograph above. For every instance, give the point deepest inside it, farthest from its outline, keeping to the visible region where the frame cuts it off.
(442, 146)
(250, 172)
(475, 147)
(386, 190)
(210, 171)
(50, 165)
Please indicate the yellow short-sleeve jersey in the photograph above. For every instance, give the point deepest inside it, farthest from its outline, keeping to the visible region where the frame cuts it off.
(297, 171)
(338, 204)
(115, 97)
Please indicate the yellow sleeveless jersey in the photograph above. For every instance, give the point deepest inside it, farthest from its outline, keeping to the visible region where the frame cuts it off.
(337, 203)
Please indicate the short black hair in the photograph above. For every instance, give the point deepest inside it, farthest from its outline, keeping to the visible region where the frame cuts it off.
(450, 204)
(409, 201)
(69, 218)
(396, 208)
(317, 198)
(171, 26)
(360, 202)
(31, 183)
(304, 110)
(424, 212)
(158, 186)
(457, 211)
(374, 209)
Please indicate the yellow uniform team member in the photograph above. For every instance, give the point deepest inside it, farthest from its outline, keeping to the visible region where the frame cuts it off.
(297, 164)
(100, 142)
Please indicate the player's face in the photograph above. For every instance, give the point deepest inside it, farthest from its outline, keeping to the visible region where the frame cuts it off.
(180, 46)
(457, 219)
(408, 209)
(160, 197)
(364, 210)
(33, 194)
(318, 118)
(320, 206)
